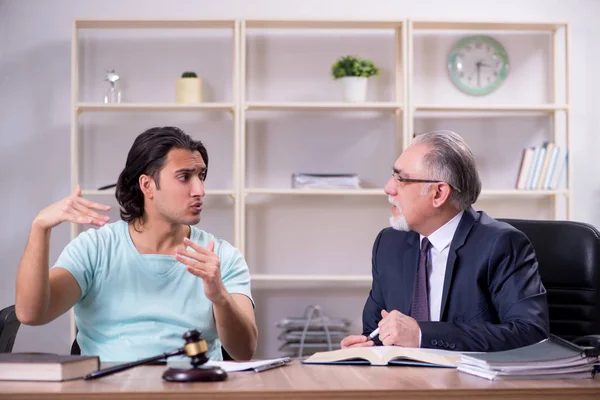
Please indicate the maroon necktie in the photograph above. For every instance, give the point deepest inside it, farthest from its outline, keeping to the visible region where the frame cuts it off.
(419, 308)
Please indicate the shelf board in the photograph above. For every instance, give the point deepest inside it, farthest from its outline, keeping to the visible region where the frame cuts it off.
(322, 106)
(522, 193)
(152, 24)
(272, 281)
(323, 24)
(111, 192)
(318, 192)
(380, 192)
(493, 108)
(101, 107)
(350, 192)
(310, 278)
(486, 26)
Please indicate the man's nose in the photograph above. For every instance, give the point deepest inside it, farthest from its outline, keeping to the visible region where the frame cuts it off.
(198, 188)
(390, 187)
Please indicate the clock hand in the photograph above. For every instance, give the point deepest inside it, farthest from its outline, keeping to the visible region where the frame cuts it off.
(478, 64)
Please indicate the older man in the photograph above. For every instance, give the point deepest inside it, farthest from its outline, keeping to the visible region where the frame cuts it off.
(444, 275)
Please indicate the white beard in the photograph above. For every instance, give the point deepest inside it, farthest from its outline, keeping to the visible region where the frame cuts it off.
(398, 222)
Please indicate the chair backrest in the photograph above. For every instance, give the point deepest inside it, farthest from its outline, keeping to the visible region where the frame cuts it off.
(568, 254)
(9, 326)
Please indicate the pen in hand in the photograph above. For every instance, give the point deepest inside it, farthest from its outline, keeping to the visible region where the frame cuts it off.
(373, 334)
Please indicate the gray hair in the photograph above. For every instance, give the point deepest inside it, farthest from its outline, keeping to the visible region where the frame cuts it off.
(450, 160)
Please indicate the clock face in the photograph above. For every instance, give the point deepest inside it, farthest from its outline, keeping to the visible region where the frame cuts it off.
(478, 65)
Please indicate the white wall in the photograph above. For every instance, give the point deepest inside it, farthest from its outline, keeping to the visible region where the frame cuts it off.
(35, 48)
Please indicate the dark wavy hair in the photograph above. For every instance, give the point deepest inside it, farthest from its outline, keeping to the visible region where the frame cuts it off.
(147, 156)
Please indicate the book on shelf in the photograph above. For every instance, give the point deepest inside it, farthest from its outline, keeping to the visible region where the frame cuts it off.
(560, 171)
(325, 181)
(551, 168)
(387, 355)
(45, 367)
(552, 358)
(542, 167)
(537, 166)
(526, 162)
(540, 177)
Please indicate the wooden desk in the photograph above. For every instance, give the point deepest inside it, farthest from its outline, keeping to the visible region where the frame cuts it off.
(297, 381)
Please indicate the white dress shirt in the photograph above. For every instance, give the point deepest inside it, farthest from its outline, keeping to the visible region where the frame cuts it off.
(436, 270)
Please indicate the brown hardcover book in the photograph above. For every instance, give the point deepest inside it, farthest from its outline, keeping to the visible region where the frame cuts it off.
(45, 367)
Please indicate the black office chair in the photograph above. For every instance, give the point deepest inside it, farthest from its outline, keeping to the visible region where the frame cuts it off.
(9, 326)
(568, 254)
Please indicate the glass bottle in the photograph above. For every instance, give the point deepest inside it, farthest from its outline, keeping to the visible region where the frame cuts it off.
(113, 93)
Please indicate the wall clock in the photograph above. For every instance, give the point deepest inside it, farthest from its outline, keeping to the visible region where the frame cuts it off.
(478, 65)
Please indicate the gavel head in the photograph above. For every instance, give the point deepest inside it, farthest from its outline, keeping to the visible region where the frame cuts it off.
(195, 347)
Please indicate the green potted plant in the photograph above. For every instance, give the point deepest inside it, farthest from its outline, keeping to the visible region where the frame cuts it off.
(354, 72)
(188, 88)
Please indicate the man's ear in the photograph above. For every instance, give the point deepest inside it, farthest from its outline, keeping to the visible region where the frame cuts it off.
(441, 194)
(147, 186)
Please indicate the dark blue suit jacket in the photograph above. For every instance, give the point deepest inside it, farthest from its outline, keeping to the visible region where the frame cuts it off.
(493, 298)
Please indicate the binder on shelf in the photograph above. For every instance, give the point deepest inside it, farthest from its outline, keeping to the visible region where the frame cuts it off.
(325, 181)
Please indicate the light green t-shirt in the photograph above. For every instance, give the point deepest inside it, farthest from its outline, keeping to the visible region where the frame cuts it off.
(136, 305)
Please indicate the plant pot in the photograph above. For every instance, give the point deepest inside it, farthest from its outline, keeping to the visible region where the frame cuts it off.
(188, 90)
(354, 89)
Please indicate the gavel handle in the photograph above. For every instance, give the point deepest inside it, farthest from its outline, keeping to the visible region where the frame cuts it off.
(122, 367)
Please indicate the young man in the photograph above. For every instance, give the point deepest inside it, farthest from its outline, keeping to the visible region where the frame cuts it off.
(138, 284)
(445, 276)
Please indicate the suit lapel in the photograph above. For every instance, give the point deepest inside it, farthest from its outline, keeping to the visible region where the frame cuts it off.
(469, 218)
(410, 263)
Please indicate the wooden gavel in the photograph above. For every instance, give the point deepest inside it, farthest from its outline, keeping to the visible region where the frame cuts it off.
(195, 348)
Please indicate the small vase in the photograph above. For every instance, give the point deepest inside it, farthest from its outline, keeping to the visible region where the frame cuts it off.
(354, 89)
(188, 90)
(113, 95)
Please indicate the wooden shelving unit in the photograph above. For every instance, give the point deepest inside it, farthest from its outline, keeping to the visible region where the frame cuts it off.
(402, 106)
(111, 193)
(321, 106)
(552, 109)
(78, 107)
(154, 107)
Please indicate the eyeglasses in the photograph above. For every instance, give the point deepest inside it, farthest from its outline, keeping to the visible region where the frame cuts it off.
(396, 175)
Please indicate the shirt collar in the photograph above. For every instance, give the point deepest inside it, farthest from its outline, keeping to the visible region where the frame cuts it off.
(442, 237)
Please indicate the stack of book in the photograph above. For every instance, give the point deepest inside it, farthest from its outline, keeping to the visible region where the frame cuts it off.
(325, 181)
(542, 167)
(303, 336)
(552, 358)
(45, 367)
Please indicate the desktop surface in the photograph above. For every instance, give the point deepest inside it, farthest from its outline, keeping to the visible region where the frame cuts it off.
(297, 381)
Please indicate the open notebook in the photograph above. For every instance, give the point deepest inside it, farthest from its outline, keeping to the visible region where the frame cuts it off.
(387, 355)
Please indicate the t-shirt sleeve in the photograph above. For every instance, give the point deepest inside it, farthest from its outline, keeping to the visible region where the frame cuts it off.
(234, 270)
(79, 258)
